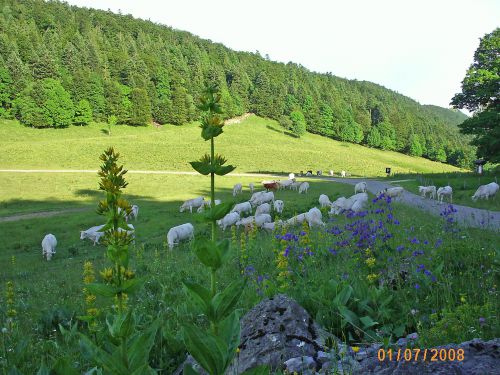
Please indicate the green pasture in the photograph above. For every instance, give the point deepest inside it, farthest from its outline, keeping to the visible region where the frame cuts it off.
(254, 145)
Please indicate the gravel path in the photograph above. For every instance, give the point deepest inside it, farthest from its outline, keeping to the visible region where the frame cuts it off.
(467, 216)
(34, 215)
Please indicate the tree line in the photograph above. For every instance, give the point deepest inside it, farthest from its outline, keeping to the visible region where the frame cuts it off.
(62, 65)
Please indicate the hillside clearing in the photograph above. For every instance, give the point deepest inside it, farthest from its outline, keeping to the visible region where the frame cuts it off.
(255, 145)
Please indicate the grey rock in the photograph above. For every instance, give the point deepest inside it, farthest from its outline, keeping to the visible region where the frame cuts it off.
(276, 330)
(300, 364)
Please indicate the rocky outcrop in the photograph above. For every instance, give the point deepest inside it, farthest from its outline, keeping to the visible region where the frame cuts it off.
(280, 334)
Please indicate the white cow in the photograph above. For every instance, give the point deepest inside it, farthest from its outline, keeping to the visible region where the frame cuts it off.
(360, 187)
(303, 187)
(278, 206)
(291, 176)
(392, 192)
(133, 214)
(251, 187)
(249, 220)
(330, 173)
(263, 198)
(272, 226)
(255, 196)
(207, 204)
(237, 189)
(314, 217)
(324, 201)
(342, 173)
(295, 185)
(179, 233)
(445, 191)
(298, 219)
(485, 191)
(264, 208)
(261, 219)
(228, 220)
(285, 183)
(355, 203)
(424, 190)
(242, 208)
(49, 244)
(92, 233)
(192, 203)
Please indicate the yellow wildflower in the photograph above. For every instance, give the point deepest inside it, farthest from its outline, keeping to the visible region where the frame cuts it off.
(107, 274)
(372, 277)
(370, 262)
(355, 349)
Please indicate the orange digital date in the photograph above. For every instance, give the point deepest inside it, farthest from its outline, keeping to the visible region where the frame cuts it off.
(415, 355)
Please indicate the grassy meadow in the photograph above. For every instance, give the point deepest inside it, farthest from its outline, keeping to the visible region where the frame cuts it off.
(254, 145)
(398, 269)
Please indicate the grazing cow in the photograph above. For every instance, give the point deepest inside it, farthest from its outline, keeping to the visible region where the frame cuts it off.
(242, 208)
(324, 201)
(330, 173)
(192, 203)
(237, 189)
(291, 176)
(485, 191)
(228, 220)
(445, 191)
(92, 233)
(278, 206)
(272, 226)
(295, 185)
(245, 221)
(133, 214)
(262, 198)
(264, 208)
(179, 233)
(360, 187)
(314, 217)
(49, 244)
(319, 173)
(355, 203)
(393, 192)
(424, 190)
(207, 204)
(298, 219)
(304, 187)
(261, 219)
(342, 173)
(251, 187)
(309, 173)
(285, 183)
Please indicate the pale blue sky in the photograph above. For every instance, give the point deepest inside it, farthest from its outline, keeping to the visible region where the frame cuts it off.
(419, 48)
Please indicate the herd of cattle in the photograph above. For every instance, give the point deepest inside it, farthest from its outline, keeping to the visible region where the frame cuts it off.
(264, 202)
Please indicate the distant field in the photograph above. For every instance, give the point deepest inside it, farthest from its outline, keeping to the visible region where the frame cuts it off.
(464, 186)
(255, 145)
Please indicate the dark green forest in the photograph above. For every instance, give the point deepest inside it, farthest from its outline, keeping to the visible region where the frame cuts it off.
(62, 65)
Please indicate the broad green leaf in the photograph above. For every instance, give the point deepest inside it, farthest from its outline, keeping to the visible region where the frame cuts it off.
(207, 252)
(105, 360)
(131, 286)
(63, 367)
(348, 315)
(121, 325)
(211, 131)
(224, 301)
(217, 212)
(398, 331)
(224, 250)
(141, 346)
(223, 170)
(144, 370)
(208, 350)
(203, 168)
(43, 370)
(367, 322)
(229, 332)
(101, 289)
(201, 296)
(344, 295)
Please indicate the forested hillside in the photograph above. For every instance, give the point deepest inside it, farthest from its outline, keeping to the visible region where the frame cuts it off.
(61, 65)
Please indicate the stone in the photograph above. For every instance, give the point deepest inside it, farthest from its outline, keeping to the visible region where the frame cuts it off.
(300, 364)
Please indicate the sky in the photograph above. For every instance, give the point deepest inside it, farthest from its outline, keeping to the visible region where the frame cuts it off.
(419, 48)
